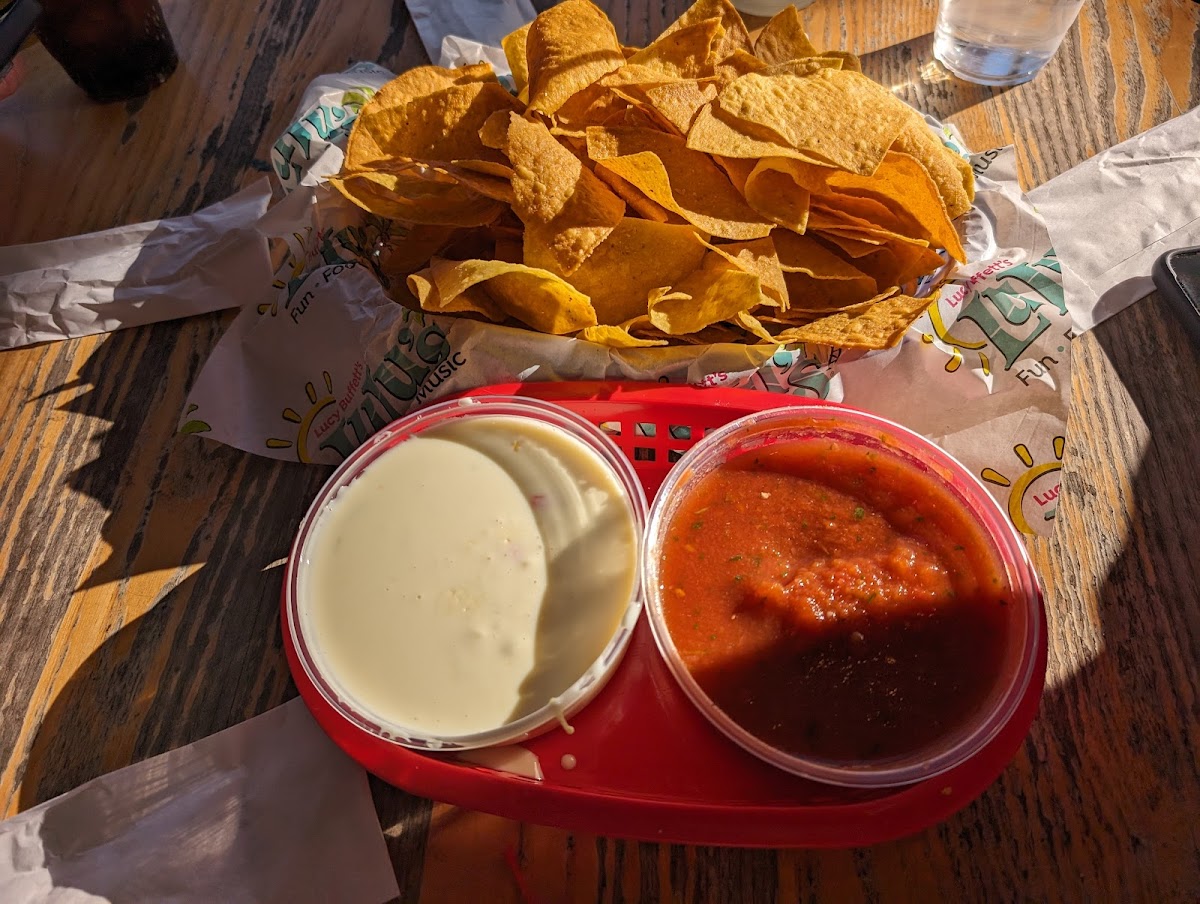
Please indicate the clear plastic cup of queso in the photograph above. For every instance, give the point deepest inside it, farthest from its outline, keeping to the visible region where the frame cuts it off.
(840, 597)
(469, 576)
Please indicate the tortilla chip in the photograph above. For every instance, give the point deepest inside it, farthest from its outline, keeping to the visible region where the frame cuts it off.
(824, 219)
(432, 201)
(403, 89)
(850, 62)
(850, 247)
(565, 208)
(401, 255)
(638, 257)
(735, 36)
(711, 133)
(800, 317)
(737, 64)
(784, 38)
(641, 114)
(736, 168)
(724, 215)
(593, 104)
(881, 326)
(569, 47)
(465, 300)
(494, 131)
(472, 174)
(751, 325)
(420, 82)
(642, 327)
(437, 127)
(804, 254)
(717, 334)
(835, 210)
(950, 173)
(617, 337)
(636, 117)
(817, 278)
(842, 117)
(823, 296)
(899, 263)
(699, 190)
(685, 53)
(910, 200)
(631, 195)
(518, 60)
(681, 180)
(537, 298)
(809, 175)
(427, 79)
(760, 258)
(716, 292)
(906, 188)
(803, 67)
(775, 196)
(482, 167)
(678, 103)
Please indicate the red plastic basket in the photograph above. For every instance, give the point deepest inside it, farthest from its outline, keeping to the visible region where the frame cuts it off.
(648, 765)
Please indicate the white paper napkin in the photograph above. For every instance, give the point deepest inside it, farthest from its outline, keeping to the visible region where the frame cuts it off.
(267, 811)
(1111, 217)
(455, 32)
(137, 274)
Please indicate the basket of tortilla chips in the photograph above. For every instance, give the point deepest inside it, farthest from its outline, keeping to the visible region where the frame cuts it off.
(706, 188)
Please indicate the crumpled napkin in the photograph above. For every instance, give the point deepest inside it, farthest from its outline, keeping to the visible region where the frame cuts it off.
(444, 25)
(269, 810)
(1110, 217)
(137, 274)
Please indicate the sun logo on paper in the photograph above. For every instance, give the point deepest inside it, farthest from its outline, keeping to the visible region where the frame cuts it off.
(295, 277)
(956, 345)
(1035, 492)
(194, 425)
(304, 422)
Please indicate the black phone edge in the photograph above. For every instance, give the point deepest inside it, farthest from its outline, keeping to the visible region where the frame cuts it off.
(1168, 279)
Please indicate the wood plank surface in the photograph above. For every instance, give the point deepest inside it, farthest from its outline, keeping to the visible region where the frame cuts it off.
(139, 570)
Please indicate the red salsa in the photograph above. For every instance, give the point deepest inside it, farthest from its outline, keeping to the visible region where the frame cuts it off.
(835, 600)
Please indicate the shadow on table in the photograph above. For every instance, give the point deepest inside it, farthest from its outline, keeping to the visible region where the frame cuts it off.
(194, 533)
(1127, 724)
(188, 593)
(207, 652)
(909, 70)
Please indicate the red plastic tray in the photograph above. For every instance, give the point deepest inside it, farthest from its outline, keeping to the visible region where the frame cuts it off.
(649, 765)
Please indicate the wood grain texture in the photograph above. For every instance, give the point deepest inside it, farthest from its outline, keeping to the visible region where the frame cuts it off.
(139, 570)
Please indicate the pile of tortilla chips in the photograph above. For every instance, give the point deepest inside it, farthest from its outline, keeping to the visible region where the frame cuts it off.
(706, 188)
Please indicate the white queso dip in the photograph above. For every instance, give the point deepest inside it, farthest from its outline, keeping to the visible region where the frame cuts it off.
(468, 576)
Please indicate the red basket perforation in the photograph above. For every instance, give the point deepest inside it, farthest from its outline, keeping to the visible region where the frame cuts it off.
(652, 423)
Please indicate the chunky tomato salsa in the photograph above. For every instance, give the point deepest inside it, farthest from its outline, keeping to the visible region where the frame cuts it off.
(835, 600)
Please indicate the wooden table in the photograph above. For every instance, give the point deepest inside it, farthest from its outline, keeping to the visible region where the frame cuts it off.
(140, 569)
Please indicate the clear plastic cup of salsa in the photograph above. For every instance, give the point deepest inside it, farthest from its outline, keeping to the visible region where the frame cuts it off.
(839, 596)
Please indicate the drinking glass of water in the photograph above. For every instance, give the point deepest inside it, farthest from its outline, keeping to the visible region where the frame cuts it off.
(1001, 42)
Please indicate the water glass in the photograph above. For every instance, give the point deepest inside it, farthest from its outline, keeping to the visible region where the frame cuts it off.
(1001, 42)
(766, 8)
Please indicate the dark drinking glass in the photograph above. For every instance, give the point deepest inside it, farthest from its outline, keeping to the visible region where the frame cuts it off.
(112, 49)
